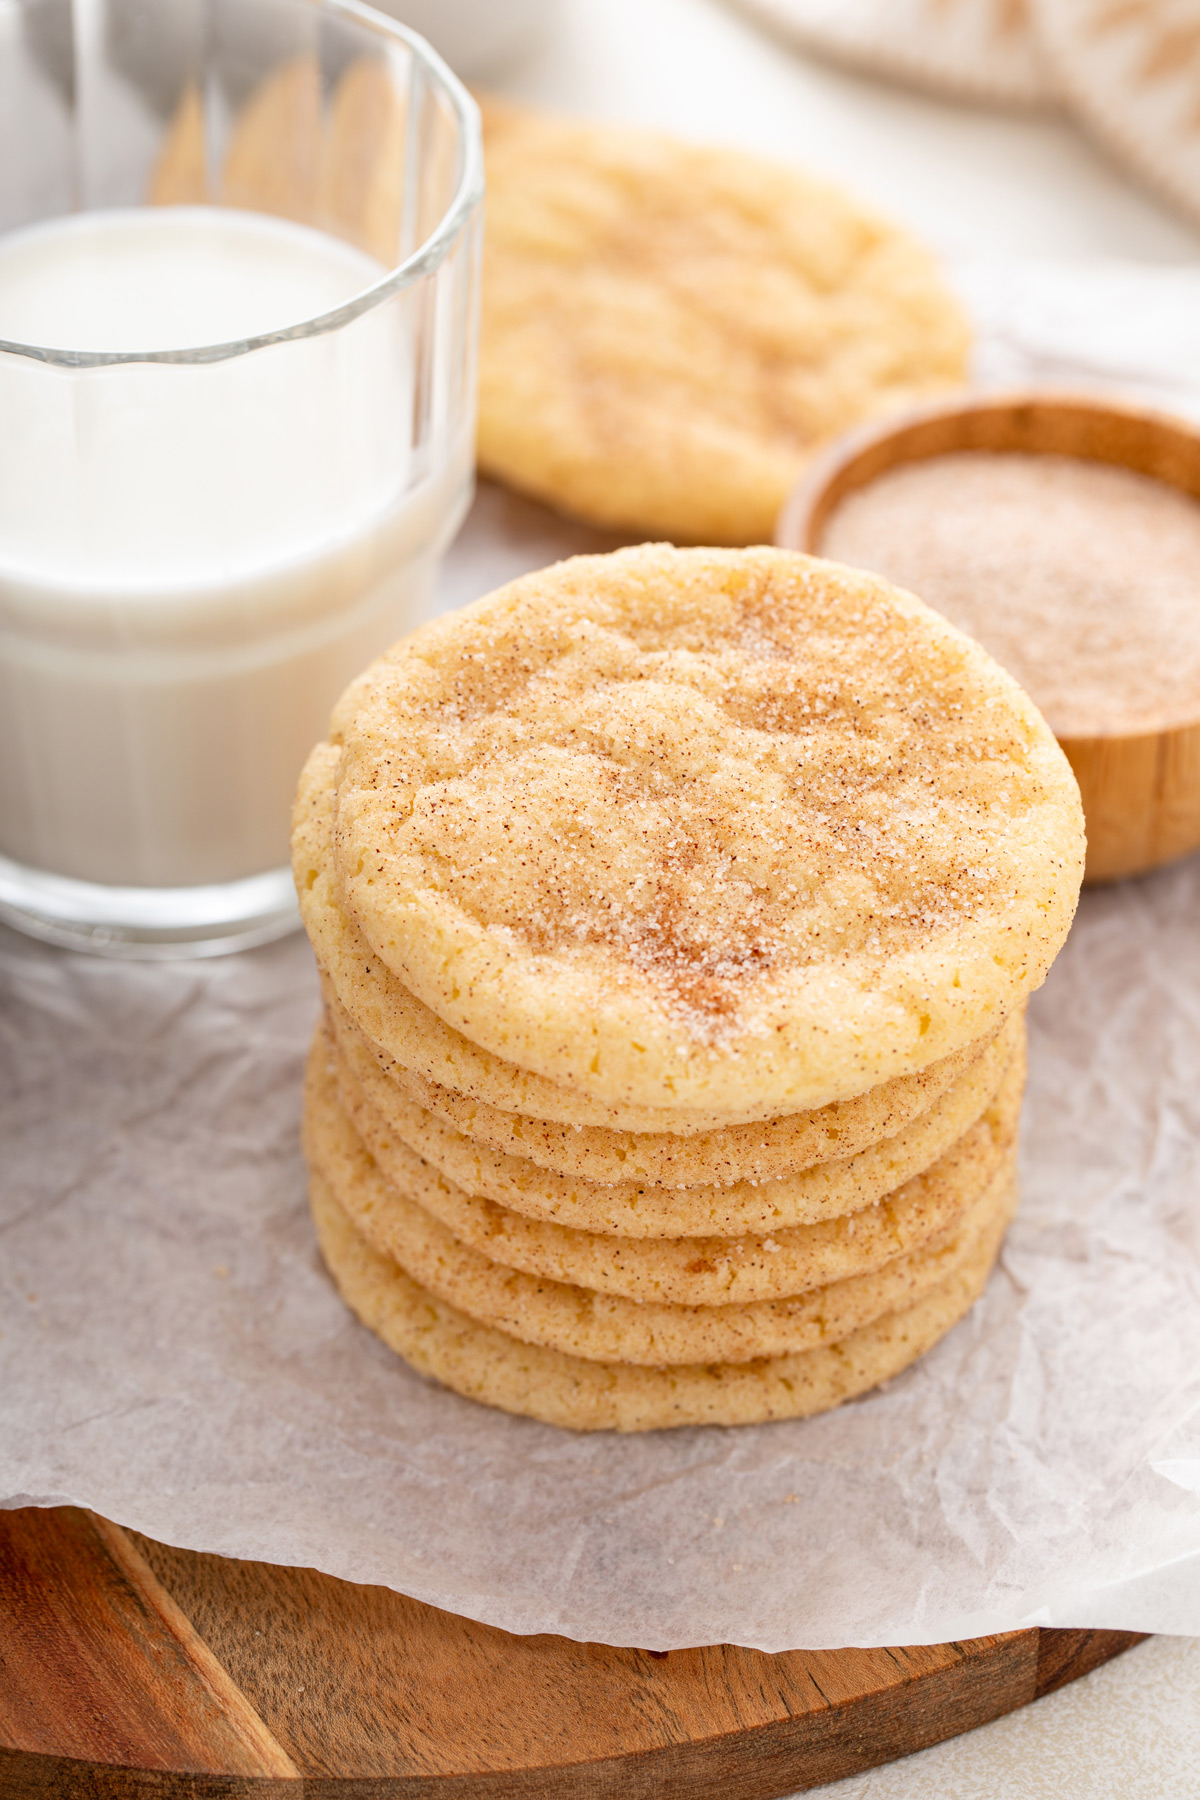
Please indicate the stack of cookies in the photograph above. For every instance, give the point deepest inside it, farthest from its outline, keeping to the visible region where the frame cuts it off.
(676, 911)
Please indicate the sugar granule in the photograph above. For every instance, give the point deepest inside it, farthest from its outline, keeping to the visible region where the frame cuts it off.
(1081, 578)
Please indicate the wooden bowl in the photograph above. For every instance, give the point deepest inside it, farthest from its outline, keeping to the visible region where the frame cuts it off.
(1141, 790)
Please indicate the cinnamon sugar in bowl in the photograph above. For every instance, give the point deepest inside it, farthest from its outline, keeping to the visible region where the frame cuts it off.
(1064, 533)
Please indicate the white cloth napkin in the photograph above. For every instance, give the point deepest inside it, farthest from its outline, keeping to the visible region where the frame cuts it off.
(1132, 327)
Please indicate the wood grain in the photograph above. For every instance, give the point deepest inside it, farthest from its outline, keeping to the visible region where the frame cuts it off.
(1063, 1656)
(100, 1666)
(130, 1668)
(1141, 791)
(1141, 798)
(427, 1693)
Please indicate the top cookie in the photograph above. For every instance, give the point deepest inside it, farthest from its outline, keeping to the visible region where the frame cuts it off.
(671, 330)
(705, 829)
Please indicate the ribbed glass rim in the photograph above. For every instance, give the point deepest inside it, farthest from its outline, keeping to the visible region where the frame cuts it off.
(423, 260)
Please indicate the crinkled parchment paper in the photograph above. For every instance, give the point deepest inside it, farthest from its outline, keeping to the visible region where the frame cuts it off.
(172, 1355)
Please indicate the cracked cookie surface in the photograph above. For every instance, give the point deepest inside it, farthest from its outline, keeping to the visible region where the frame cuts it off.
(731, 833)
(670, 331)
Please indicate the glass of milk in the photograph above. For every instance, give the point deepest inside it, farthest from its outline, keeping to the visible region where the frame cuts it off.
(239, 269)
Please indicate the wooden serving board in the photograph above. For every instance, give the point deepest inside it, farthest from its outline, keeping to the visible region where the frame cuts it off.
(130, 1669)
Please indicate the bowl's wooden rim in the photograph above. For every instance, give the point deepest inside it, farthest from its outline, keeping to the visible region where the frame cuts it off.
(1141, 788)
(1028, 421)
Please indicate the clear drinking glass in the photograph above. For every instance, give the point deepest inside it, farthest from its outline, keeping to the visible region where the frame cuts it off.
(201, 543)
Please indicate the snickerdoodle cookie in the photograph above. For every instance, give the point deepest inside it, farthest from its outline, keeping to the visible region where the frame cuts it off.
(686, 1271)
(632, 1208)
(676, 913)
(733, 833)
(614, 1328)
(490, 1365)
(671, 330)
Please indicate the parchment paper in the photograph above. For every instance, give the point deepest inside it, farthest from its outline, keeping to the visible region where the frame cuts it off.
(172, 1354)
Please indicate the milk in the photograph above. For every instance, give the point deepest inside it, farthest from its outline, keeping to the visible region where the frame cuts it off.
(194, 557)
